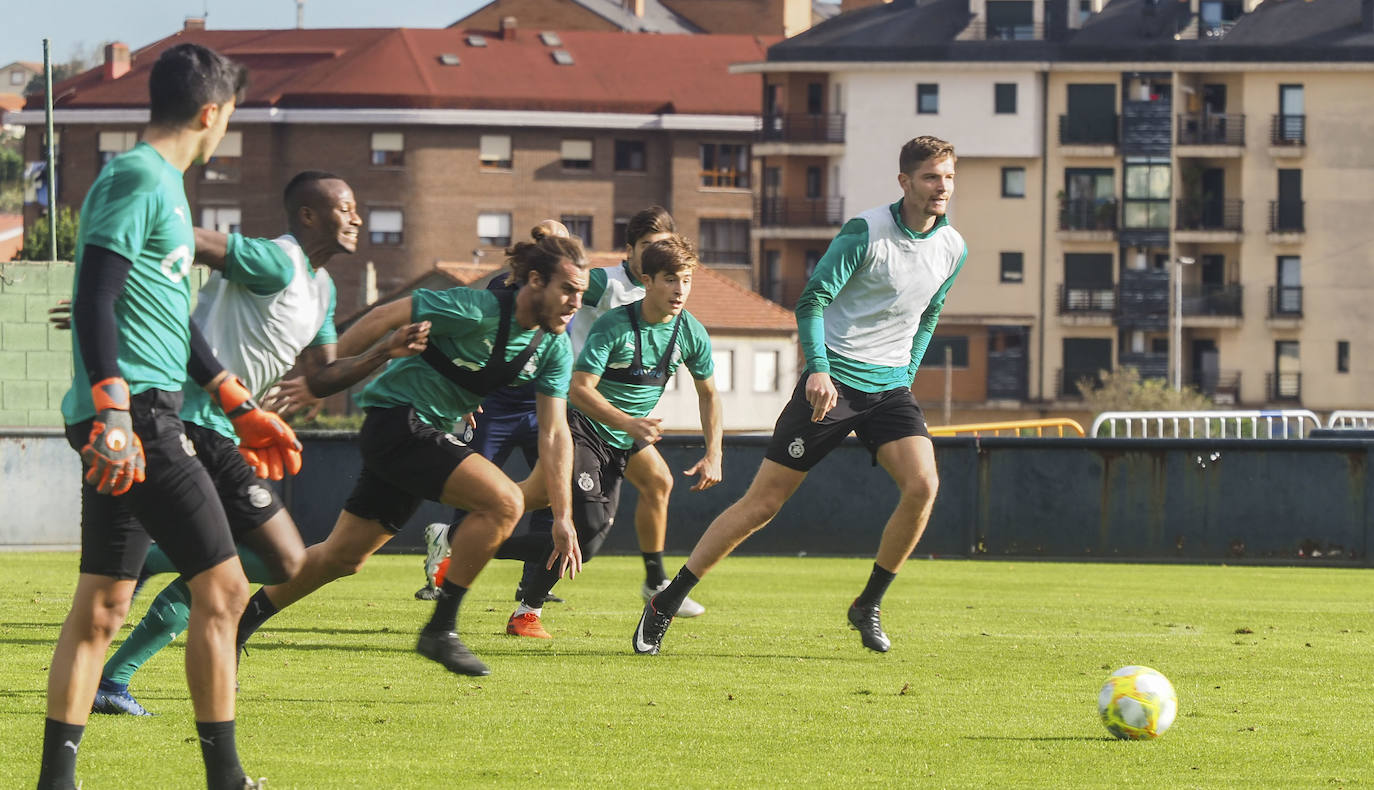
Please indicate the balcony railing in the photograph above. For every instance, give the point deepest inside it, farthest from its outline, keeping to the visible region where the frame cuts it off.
(780, 212)
(799, 128)
(1105, 130)
(1150, 365)
(1086, 300)
(999, 31)
(1285, 301)
(1087, 214)
(728, 257)
(1211, 129)
(1220, 300)
(1223, 386)
(1285, 216)
(1288, 130)
(1197, 214)
(1283, 385)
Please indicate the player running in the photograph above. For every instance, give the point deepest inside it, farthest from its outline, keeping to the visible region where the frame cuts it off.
(132, 346)
(268, 306)
(627, 359)
(479, 340)
(864, 320)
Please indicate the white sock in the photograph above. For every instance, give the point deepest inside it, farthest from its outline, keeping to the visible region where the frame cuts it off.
(522, 608)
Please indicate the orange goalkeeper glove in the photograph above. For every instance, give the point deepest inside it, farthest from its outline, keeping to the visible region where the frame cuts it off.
(114, 454)
(266, 442)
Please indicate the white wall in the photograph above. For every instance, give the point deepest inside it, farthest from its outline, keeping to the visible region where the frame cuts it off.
(745, 409)
(880, 116)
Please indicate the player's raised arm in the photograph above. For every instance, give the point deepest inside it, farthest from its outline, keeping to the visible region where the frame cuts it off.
(366, 331)
(326, 373)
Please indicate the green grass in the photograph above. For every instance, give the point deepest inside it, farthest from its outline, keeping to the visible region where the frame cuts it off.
(991, 682)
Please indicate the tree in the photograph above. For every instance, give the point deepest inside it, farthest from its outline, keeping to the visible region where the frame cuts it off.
(36, 247)
(80, 59)
(1124, 390)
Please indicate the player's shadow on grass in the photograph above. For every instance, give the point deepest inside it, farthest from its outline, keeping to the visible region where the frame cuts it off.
(1037, 738)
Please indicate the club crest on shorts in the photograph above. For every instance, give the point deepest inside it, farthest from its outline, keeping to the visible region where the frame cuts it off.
(451, 439)
(468, 433)
(259, 497)
(797, 448)
(585, 482)
(187, 445)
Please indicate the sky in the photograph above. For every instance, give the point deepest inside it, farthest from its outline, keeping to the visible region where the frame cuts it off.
(79, 26)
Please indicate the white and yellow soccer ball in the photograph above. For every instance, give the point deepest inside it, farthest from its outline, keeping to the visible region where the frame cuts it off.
(1137, 703)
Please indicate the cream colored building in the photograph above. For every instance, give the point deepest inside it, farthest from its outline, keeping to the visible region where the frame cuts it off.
(1099, 152)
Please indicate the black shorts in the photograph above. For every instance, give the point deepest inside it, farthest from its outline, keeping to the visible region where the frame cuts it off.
(249, 501)
(598, 469)
(875, 417)
(177, 505)
(405, 461)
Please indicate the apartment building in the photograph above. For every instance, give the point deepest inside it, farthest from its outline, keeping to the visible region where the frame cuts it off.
(1180, 187)
(456, 142)
(762, 17)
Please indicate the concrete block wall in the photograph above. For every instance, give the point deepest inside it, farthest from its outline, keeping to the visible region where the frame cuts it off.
(35, 358)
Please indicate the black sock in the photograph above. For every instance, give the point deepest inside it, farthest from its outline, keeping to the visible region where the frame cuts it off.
(535, 584)
(259, 609)
(653, 569)
(221, 755)
(60, 742)
(670, 600)
(445, 617)
(878, 581)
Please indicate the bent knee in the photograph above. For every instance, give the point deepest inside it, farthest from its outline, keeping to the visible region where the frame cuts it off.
(287, 565)
(922, 487)
(502, 506)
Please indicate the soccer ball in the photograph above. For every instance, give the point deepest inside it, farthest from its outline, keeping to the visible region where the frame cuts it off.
(1137, 703)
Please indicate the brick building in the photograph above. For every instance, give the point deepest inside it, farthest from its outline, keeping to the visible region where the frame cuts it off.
(455, 141)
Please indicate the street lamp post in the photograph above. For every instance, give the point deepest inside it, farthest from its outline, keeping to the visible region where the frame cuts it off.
(1177, 342)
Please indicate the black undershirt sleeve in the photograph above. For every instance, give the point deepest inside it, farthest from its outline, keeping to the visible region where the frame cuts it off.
(102, 279)
(202, 366)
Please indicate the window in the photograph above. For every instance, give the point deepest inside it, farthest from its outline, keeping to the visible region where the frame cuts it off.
(225, 219)
(112, 144)
(1289, 126)
(388, 149)
(384, 226)
(1004, 98)
(1288, 294)
(927, 98)
(224, 164)
(1013, 182)
(813, 182)
(493, 229)
(771, 281)
(1088, 284)
(580, 226)
(815, 96)
(1012, 20)
(1084, 357)
(765, 371)
(724, 362)
(494, 151)
(1287, 371)
(1147, 193)
(618, 233)
(956, 345)
(629, 156)
(577, 154)
(1012, 265)
(17, 77)
(724, 165)
(724, 241)
(1342, 356)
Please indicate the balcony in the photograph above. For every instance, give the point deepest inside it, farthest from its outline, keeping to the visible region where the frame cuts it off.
(983, 30)
(1149, 365)
(1285, 301)
(800, 128)
(1288, 131)
(1212, 300)
(1285, 218)
(1201, 221)
(1087, 219)
(1102, 131)
(1212, 130)
(1222, 386)
(1066, 382)
(781, 212)
(1283, 386)
(1086, 300)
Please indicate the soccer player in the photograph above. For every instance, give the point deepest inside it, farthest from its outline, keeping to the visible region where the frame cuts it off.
(268, 306)
(132, 346)
(479, 340)
(864, 320)
(628, 358)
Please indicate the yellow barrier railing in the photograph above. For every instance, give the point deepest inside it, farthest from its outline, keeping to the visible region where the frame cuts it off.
(1014, 428)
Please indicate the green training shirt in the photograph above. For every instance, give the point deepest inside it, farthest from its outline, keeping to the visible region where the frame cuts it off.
(611, 345)
(463, 325)
(137, 208)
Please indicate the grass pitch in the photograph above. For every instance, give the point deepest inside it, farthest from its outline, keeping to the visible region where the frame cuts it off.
(991, 682)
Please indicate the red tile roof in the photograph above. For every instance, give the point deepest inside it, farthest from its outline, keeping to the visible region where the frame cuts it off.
(9, 102)
(400, 68)
(11, 235)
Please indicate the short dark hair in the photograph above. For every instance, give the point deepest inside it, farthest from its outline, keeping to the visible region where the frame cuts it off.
(669, 256)
(302, 188)
(188, 77)
(654, 219)
(919, 149)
